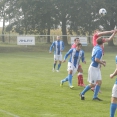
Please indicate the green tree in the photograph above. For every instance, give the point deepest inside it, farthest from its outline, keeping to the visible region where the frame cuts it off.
(64, 11)
(3, 7)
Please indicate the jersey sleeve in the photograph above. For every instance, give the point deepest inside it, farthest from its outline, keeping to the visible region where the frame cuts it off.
(68, 53)
(63, 46)
(99, 54)
(52, 46)
(83, 57)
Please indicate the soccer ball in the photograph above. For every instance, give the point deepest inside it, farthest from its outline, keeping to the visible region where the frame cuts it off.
(102, 12)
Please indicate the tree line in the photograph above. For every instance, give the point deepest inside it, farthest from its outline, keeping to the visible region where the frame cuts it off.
(73, 16)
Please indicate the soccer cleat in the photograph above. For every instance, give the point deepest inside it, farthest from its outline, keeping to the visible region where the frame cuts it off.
(61, 84)
(57, 70)
(71, 87)
(82, 97)
(97, 99)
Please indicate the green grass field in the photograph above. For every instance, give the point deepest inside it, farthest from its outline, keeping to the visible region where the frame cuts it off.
(29, 88)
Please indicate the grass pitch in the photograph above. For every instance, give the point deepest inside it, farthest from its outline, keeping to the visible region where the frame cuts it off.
(29, 88)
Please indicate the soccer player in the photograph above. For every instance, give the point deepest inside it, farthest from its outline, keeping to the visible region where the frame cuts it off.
(96, 35)
(76, 41)
(94, 72)
(80, 70)
(58, 46)
(113, 105)
(75, 55)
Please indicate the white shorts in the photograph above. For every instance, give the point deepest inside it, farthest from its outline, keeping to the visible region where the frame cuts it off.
(114, 91)
(94, 74)
(71, 67)
(57, 57)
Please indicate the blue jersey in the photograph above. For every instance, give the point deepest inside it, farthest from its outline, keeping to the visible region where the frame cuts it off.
(58, 47)
(116, 59)
(75, 56)
(96, 53)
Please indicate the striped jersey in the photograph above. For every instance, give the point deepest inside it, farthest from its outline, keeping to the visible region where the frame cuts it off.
(58, 47)
(75, 56)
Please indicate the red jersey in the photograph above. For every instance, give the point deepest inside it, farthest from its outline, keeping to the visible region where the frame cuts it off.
(95, 36)
(73, 45)
(94, 41)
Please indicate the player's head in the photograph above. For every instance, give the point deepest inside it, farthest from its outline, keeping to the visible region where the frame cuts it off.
(58, 37)
(100, 41)
(78, 46)
(76, 40)
(96, 31)
(101, 29)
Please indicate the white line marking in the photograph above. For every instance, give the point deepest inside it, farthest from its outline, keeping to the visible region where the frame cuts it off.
(8, 113)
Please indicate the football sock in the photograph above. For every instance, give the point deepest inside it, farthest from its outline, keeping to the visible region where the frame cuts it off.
(97, 88)
(113, 107)
(59, 65)
(78, 80)
(54, 65)
(64, 80)
(85, 89)
(70, 79)
(81, 79)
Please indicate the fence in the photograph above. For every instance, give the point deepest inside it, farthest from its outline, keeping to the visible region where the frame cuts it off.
(12, 39)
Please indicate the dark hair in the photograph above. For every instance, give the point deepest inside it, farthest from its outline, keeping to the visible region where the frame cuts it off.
(100, 41)
(79, 44)
(76, 38)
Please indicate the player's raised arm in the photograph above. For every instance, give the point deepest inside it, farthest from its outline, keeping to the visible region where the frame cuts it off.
(111, 37)
(105, 32)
